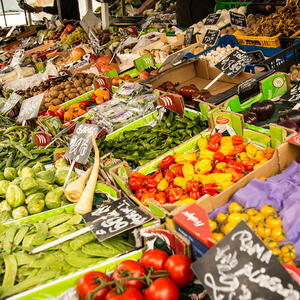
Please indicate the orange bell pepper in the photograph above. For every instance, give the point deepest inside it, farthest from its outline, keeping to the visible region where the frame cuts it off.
(68, 115)
(79, 112)
(54, 108)
(99, 100)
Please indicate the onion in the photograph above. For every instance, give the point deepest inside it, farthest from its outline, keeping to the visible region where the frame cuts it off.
(251, 118)
(264, 110)
(289, 124)
(293, 115)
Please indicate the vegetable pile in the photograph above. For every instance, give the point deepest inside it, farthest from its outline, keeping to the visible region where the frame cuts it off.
(143, 144)
(157, 276)
(184, 178)
(21, 270)
(33, 190)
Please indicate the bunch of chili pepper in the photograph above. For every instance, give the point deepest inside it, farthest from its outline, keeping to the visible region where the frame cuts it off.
(184, 178)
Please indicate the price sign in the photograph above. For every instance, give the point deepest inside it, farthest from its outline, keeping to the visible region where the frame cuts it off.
(144, 62)
(41, 39)
(238, 19)
(241, 266)
(30, 108)
(188, 36)
(212, 19)
(234, 63)
(211, 36)
(103, 82)
(248, 88)
(10, 103)
(292, 95)
(81, 142)
(176, 57)
(84, 60)
(257, 56)
(114, 218)
(173, 102)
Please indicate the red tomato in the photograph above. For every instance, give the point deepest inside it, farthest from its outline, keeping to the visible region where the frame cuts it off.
(88, 282)
(130, 293)
(134, 269)
(154, 258)
(143, 75)
(162, 289)
(153, 72)
(103, 60)
(127, 77)
(179, 268)
(116, 81)
(107, 68)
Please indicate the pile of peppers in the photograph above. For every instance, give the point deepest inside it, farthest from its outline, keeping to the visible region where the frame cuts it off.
(184, 178)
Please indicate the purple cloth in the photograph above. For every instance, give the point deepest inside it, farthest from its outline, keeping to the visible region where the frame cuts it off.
(281, 191)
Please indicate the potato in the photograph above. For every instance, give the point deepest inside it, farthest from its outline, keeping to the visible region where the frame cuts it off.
(56, 101)
(91, 75)
(54, 94)
(88, 88)
(61, 96)
(47, 105)
(71, 95)
(77, 83)
(88, 82)
(79, 89)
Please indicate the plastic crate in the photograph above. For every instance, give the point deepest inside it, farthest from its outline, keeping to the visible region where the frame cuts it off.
(262, 41)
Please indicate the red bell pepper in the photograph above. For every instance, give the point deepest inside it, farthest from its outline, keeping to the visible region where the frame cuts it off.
(228, 158)
(177, 170)
(237, 166)
(217, 171)
(213, 146)
(195, 194)
(169, 176)
(149, 182)
(135, 183)
(237, 140)
(50, 113)
(210, 189)
(239, 149)
(175, 194)
(215, 138)
(161, 197)
(137, 175)
(219, 156)
(192, 185)
(153, 191)
(139, 192)
(167, 162)
(158, 176)
(145, 197)
(249, 164)
(235, 175)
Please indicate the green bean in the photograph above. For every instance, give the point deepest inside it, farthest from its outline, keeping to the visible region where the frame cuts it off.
(41, 234)
(95, 249)
(10, 159)
(22, 149)
(10, 271)
(24, 259)
(79, 261)
(20, 235)
(56, 220)
(79, 241)
(9, 238)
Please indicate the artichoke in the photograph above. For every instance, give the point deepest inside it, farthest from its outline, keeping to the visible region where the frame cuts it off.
(35, 196)
(53, 198)
(61, 164)
(35, 206)
(14, 195)
(10, 173)
(26, 172)
(47, 176)
(5, 216)
(3, 187)
(17, 181)
(61, 175)
(38, 167)
(4, 206)
(43, 187)
(20, 212)
(29, 185)
(2, 176)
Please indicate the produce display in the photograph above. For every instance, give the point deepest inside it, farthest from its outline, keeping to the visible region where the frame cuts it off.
(125, 174)
(184, 178)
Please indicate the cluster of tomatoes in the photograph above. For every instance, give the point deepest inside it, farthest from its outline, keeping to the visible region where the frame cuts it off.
(265, 222)
(142, 75)
(157, 276)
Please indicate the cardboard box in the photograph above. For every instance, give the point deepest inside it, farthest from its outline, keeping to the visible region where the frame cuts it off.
(198, 72)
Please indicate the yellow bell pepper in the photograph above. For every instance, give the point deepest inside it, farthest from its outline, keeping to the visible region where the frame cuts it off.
(226, 139)
(264, 160)
(242, 156)
(181, 182)
(203, 166)
(206, 154)
(186, 201)
(162, 185)
(260, 155)
(220, 178)
(202, 143)
(221, 166)
(225, 185)
(186, 158)
(251, 150)
(188, 171)
(226, 148)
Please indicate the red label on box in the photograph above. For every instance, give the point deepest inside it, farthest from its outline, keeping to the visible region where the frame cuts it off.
(103, 82)
(173, 102)
(194, 220)
(295, 139)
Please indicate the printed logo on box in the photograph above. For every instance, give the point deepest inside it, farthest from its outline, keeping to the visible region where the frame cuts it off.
(278, 82)
(222, 120)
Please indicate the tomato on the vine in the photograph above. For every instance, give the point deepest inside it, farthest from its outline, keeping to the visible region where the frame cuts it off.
(130, 268)
(89, 281)
(154, 258)
(179, 268)
(130, 292)
(162, 289)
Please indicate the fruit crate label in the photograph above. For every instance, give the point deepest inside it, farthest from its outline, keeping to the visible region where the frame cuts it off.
(295, 140)
(292, 95)
(176, 57)
(234, 63)
(112, 73)
(103, 82)
(114, 218)
(30, 108)
(172, 102)
(10, 103)
(211, 36)
(85, 60)
(241, 266)
(94, 42)
(81, 142)
(188, 36)
(212, 19)
(238, 19)
(144, 62)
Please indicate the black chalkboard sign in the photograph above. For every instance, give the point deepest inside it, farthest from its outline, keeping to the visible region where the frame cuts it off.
(188, 36)
(234, 63)
(211, 36)
(115, 218)
(238, 19)
(248, 88)
(30, 108)
(212, 19)
(241, 266)
(10, 103)
(292, 95)
(81, 142)
(257, 56)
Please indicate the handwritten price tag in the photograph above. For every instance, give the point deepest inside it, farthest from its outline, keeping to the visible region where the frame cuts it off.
(212, 19)
(238, 19)
(211, 36)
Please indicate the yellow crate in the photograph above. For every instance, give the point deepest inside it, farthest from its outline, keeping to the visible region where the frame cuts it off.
(263, 41)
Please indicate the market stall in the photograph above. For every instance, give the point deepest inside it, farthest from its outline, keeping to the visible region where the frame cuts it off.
(145, 160)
